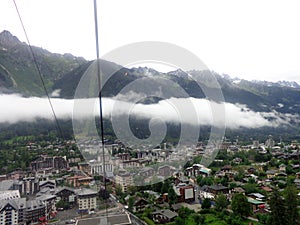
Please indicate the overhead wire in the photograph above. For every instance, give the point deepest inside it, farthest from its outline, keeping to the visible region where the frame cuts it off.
(100, 100)
(99, 85)
(39, 71)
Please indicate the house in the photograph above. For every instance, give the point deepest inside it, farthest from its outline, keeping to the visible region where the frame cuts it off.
(164, 216)
(196, 170)
(257, 196)
(66, 194)
(251, 170)
(282, 168)
(226, 168)
(204, 193)
(255, 203)
(271, 173)
(218, 189)
(140, 204)
(266, 188)
(47, 184)
(297, 183)
(261, 210)
(238, 190)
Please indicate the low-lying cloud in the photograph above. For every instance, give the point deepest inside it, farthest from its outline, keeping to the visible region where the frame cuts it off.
(15, 108)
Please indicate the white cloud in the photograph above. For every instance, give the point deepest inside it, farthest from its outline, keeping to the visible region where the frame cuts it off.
(175, 110)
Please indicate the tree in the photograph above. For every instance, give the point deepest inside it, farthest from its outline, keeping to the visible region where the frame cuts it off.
(119, 191)
(130, 203)
(221, 202)
(165, 187)
(172, 196)
(62, 204)
(184, 212)
(278, 213)
(206, 204)
(104, 194)
(263, 219)
(179, 221)
(291, 205)
(240, 205)
(198, 218)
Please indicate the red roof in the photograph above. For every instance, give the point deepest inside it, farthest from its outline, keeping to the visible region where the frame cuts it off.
(266, 188)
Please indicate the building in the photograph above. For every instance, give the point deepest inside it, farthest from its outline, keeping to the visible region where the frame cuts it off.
(185, 193)
(66, 194)
(97, 167)
(35, 210)
(86, 200)
(12, 211)
(51, 184)
(77, 181)
(218, 189)
(196, 170)
(49, 202)
(10, 194)
(164, 216)
(27, 186)
(120, 219)
(124, 179)
(45, 162)
(85, 167)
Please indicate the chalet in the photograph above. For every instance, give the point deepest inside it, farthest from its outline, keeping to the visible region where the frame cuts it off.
(266, 188)
(238, 190)
(140, 204)
(47, 184)
(261, 210)
(218, 189)
(255, 203)
(271, 173)
(164, 216)
(257, 196)
(226, 168)
(204, 193)
(196, 170)
(282, 168)
(66, 194)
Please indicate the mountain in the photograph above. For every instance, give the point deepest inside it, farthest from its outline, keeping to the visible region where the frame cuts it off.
(18, 72)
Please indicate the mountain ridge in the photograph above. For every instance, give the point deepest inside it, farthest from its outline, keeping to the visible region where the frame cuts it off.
(18, 74)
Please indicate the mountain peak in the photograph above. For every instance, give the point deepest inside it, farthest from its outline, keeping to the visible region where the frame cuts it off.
(179, 73)
(8, 40)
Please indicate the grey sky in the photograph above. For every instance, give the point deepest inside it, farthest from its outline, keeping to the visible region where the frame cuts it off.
(248, 39)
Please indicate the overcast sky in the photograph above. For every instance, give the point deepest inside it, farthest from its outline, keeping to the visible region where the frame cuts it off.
(248, 39)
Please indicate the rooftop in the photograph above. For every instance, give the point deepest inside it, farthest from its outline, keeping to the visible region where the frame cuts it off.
(122, 219)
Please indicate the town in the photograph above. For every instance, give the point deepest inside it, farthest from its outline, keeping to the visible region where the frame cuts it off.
(245, 184)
